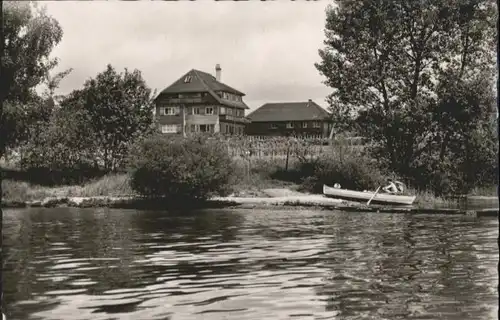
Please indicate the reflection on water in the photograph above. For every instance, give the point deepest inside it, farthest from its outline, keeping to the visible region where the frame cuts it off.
(126, 264)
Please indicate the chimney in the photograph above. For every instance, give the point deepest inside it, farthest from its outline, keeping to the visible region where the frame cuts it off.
(218, 72)
(309, 102)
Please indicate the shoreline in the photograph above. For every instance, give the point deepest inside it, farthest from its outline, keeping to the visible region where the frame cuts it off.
(285, 200)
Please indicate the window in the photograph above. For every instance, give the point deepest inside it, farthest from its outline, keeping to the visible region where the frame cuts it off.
(187, 79)
(222, 110)
(169, 111)
(304, 124)
(169, 128)
(229, 111)
(289, 125)
(209, 110)
(316, 124)
(274, 126)
(203, 128)
(196, 110)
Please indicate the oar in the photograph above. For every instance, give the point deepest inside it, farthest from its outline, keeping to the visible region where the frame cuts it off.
(368, 203)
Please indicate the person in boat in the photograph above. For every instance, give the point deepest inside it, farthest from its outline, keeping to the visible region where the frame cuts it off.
(393, 187)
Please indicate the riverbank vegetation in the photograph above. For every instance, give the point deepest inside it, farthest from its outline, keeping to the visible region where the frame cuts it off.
(417, 81)
(425, 122)
(111, 185)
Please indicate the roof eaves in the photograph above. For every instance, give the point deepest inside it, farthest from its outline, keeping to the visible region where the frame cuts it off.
(166, 88)
(323, 111)
(228, 103)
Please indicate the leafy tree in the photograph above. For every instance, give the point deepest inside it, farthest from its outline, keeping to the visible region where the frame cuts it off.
(29, 37)
(64, 151)
(119, 107)
(393, 65)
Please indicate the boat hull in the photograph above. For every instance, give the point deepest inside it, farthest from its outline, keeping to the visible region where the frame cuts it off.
(367, 195)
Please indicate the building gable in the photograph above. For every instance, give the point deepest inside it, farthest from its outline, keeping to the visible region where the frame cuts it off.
(199, 81)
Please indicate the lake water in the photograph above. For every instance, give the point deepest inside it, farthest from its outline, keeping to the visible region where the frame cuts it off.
(80, 264)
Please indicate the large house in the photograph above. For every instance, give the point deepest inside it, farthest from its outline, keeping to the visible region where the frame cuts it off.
(289, 118)
(200, 102)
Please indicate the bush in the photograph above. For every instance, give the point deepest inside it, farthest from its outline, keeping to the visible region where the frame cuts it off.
(470, 164)
(181, 169)
(356, 173)
(63, 151)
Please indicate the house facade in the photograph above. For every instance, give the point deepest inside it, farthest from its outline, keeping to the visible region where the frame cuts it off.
(200, 102)
(289, 118)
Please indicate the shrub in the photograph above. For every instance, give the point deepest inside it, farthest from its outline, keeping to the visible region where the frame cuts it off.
(356, 173)
(181, 169)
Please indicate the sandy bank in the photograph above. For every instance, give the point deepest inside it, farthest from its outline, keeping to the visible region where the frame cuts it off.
(273, 198)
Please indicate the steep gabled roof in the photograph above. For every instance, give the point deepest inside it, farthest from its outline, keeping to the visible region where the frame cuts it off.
(204, 82)
(215, 85)
(179, 86)
(289, 111)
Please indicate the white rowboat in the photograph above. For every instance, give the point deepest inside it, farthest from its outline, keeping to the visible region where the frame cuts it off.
(367, 195)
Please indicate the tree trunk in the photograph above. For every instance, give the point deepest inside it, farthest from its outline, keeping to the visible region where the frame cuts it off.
(444, 145)
(416, 77)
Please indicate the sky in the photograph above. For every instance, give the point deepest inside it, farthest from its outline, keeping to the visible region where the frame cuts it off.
(266, 49)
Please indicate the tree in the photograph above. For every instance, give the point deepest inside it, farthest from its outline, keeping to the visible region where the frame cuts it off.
(393, 64)
(29, 37)
(64, 151)
(119, 108)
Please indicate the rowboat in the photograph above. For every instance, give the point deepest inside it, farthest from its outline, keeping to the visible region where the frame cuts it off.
(367, 195)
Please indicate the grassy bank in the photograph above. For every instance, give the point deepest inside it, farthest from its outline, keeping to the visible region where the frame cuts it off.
(247, 184)
(117, 185)
(428, 200)
(302, 171)
(109, 185)
(256, 175)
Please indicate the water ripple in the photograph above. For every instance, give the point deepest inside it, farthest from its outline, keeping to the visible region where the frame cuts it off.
(124, 264)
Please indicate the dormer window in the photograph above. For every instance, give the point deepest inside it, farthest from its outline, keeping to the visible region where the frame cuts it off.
(187, 79)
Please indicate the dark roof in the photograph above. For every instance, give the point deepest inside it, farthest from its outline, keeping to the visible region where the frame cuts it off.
(289, 111)
(204, 82)
(215, 85)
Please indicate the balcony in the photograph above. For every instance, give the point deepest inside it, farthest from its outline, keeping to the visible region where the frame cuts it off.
(184, 100)
(229, 118)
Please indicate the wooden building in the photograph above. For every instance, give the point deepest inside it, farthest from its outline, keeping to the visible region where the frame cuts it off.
(289, 118)
(200, 102)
